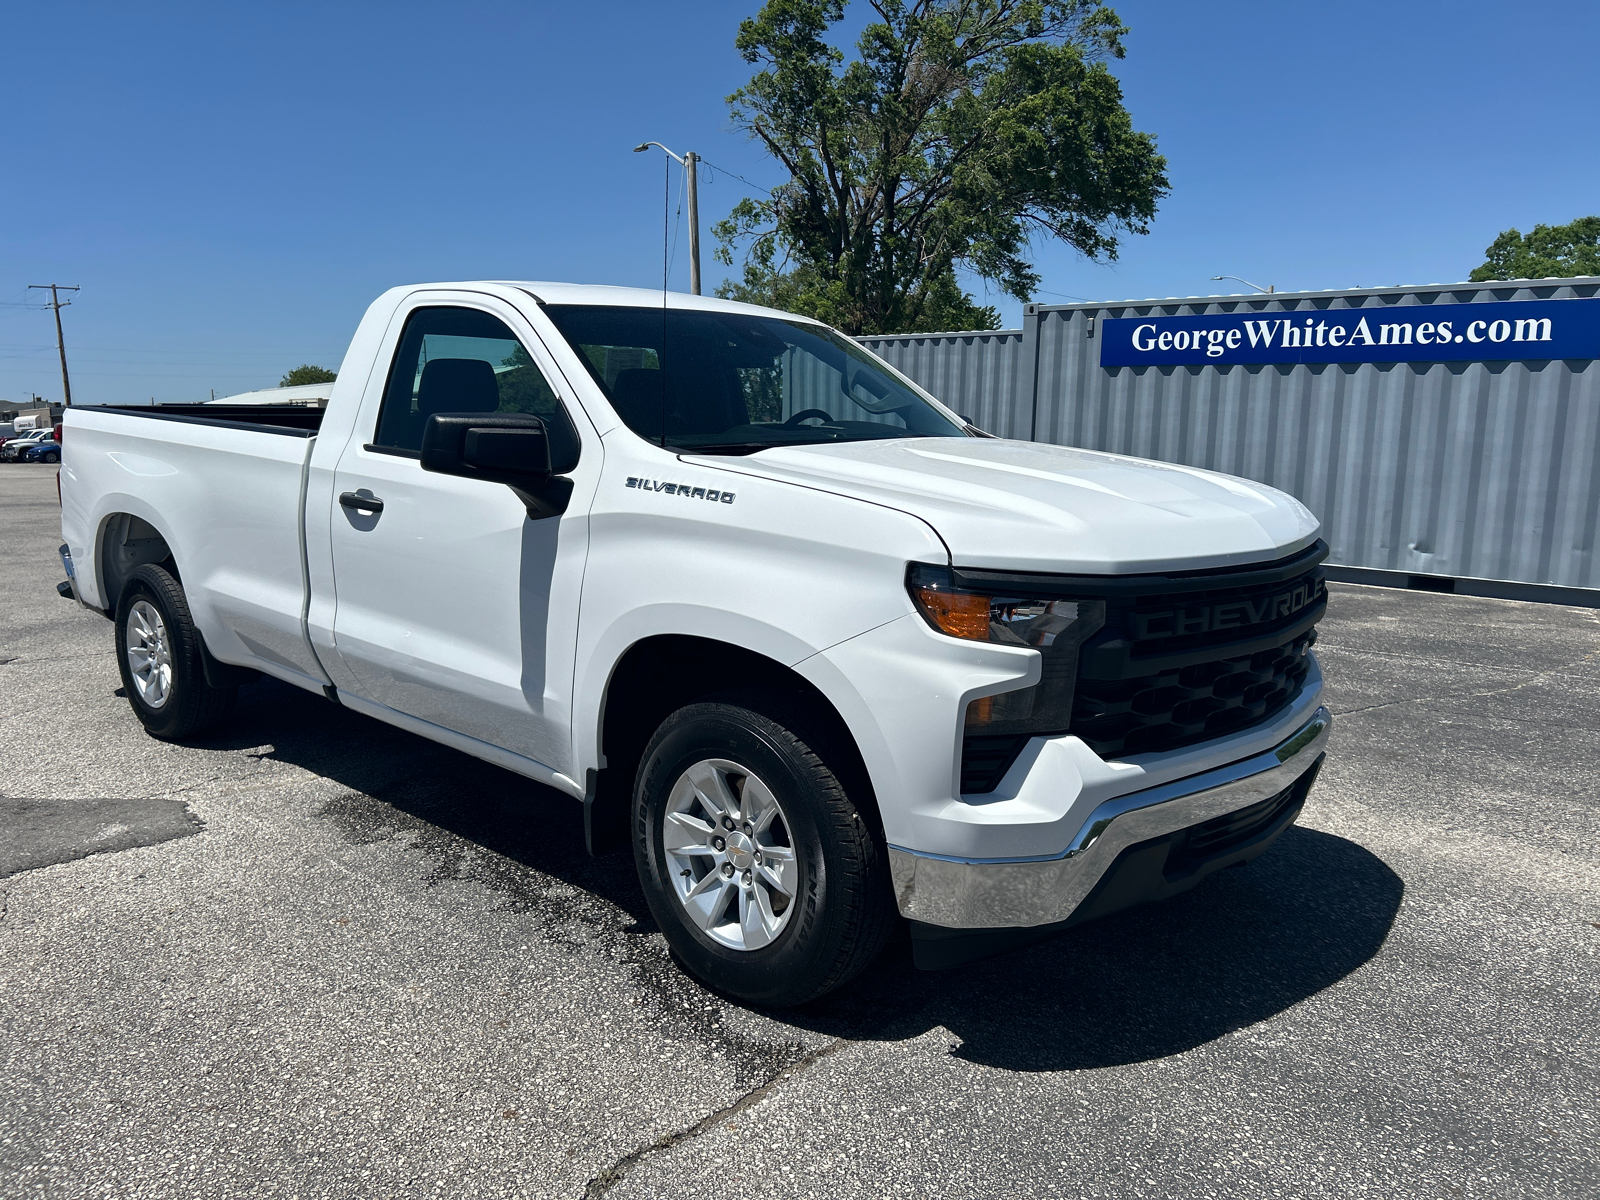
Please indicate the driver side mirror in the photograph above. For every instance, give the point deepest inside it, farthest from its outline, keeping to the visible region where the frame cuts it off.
(508, 448)
(499, 447)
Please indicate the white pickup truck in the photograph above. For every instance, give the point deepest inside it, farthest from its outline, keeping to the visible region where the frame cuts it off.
(820, 650)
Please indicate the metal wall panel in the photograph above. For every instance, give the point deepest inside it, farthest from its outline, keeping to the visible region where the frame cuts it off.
(1470, 470)
(977, 374)
(809, 382)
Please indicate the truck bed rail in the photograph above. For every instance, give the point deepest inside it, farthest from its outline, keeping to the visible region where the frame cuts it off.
(289, 420)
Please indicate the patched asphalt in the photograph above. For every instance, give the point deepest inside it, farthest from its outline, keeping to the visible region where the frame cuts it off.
(41, 833)
(316, 956)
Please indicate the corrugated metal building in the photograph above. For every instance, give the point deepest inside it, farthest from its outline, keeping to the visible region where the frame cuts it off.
(1476, 474)
(979, 374)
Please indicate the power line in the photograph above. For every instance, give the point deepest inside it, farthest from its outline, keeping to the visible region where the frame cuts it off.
(740, 178)
(677, 221)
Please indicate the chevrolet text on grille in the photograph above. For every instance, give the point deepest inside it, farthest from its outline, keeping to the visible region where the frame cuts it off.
(1233, 614)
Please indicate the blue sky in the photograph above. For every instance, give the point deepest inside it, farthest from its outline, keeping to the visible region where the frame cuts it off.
(231, 185)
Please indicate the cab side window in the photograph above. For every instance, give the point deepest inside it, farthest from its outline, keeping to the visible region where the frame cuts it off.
(454, 360)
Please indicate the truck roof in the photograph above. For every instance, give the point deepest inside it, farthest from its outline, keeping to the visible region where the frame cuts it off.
(550, 292)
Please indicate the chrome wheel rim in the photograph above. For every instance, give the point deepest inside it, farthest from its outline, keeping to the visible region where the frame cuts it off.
(730, 854)
(149, 654)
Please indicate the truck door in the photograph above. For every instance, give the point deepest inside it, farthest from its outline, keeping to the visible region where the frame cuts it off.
(452, 605)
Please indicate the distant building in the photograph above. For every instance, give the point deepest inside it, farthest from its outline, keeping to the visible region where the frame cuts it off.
(309, 395)
(23, 419)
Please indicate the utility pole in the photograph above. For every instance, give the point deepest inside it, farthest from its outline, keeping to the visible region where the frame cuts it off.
(690, 158)
(56, 302)
(687, 161)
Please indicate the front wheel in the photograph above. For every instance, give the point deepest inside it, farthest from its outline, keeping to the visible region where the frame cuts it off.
(159, 653)
(762, 874)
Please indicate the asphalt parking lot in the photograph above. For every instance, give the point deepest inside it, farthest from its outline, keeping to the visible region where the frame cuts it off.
(319, 957)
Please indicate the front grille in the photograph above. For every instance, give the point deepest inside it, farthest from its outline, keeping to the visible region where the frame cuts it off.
(1180, 659)
(1183, 705)
(1186, 659)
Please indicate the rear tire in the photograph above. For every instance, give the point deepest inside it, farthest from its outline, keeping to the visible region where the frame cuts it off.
(161, 658)
(774, 913)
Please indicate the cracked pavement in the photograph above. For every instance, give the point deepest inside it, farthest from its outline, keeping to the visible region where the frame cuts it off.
(316, 956)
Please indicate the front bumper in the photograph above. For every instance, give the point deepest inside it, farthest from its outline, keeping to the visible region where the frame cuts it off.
(1027, 892)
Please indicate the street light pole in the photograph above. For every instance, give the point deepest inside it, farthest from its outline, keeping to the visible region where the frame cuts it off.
(56, 302)
(1268, 290)
(687, 161)
(690, 160)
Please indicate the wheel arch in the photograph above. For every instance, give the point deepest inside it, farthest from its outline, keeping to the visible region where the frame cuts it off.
(126, 541)
(660, 674)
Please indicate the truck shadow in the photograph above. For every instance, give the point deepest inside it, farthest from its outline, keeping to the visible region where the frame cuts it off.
(1242, 947)
(1239, 949)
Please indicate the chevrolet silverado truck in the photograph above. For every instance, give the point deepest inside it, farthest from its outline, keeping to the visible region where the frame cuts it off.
(822, 652)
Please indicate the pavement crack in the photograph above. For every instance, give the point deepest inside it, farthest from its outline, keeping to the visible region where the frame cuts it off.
(614, 1174)
(1538, 677)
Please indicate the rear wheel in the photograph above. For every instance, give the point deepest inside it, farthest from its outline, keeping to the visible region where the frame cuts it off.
(763, 876)
(160, 655)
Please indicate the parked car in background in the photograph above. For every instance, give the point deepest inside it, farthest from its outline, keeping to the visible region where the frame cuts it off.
(45, 450)
(12, 450)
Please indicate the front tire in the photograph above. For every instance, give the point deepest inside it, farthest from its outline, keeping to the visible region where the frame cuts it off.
(160, 656)
(766, 880)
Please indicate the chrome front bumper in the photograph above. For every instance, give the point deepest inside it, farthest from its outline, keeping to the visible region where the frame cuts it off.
(967, 893)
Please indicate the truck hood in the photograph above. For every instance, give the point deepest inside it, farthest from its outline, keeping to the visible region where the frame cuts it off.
(1026, 506)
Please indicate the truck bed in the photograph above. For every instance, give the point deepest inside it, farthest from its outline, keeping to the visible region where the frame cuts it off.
(221, 488)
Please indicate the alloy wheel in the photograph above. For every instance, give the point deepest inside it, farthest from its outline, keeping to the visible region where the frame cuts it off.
(149, 654)
(731, 855)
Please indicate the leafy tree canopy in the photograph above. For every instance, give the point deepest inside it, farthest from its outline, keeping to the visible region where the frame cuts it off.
(960, 131)
(1550, 251)
(307, 374)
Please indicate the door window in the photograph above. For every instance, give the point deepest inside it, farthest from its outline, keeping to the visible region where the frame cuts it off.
(454, 360)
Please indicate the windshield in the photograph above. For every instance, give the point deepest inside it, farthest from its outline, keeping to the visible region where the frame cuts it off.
(726, 383)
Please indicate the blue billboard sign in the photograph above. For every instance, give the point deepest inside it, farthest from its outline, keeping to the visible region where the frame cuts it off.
(1511, 329)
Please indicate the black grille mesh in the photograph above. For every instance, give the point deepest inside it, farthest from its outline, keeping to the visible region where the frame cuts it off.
(1183, 705)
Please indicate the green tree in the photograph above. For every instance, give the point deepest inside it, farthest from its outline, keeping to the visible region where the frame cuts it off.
(522, 386)
(1550, 251)
(307, 374)
(961, 131)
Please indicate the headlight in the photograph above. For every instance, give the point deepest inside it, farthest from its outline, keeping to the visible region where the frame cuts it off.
(1054, 625)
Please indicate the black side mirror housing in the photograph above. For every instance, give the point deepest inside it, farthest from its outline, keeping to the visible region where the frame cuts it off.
(508, 448)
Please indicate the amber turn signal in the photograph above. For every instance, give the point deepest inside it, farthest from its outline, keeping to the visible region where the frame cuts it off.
(960, 614)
